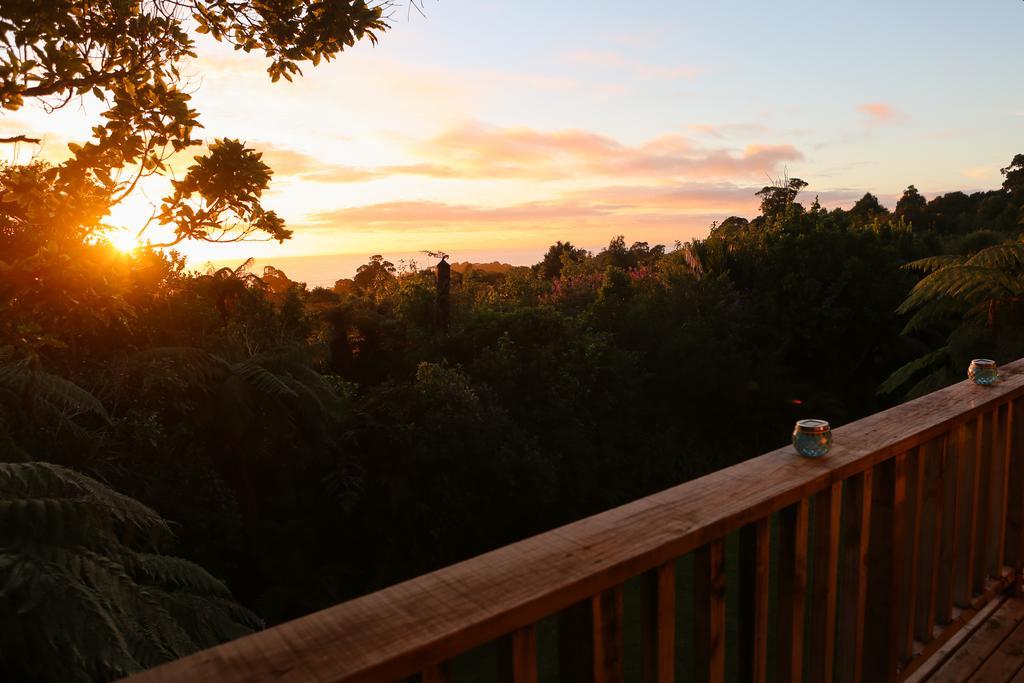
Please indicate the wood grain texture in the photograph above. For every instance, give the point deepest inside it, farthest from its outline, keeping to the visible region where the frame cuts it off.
(949, 557)
(1013, 547)
(913, 580)
(416, 624)
(933, 456)
(995, 592)
(709, 613)
(609, 655)
(983, 642)
(853, 592)
(1006, 661)
(1006, 446)
(821, 622)
(881, 618)
(984, 490)
(517, 661)
(928, 664)
(658, 620)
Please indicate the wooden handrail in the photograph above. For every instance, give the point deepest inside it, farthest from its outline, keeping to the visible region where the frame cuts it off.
(417, 625)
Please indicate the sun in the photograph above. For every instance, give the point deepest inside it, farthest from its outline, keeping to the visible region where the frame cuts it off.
(123, 239)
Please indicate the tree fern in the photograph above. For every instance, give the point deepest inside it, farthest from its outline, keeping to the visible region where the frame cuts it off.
(91, 597)
(41, 392)
(971, 291)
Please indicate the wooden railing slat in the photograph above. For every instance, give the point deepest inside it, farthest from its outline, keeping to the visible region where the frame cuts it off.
(518, 656)
(853, 593)
(792, 588)
(709, 612)
(755, 567)
(821, 621)
(969, 481)
(983, 488)
(440, 673)
(1013, 547)
(659, 624)
(950, 555)
(609, 658)
(1006, 446)
(914, 510)
(881, 619)
(932, 459)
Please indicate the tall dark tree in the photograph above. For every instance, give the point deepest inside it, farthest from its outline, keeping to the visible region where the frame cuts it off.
(375, 273)
(775, 198)
(1014, 183)
(912, 208)
(555, 258)
(867, 209)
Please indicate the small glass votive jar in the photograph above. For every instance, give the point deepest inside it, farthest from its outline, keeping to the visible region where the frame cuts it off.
(812, 438)
(983, 371)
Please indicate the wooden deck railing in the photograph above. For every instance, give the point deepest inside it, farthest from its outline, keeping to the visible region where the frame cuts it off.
(853, 567)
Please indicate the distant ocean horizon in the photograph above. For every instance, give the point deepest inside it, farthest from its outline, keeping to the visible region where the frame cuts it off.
(323, 270)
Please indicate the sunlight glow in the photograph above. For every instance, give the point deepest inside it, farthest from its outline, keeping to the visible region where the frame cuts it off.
(123, 239)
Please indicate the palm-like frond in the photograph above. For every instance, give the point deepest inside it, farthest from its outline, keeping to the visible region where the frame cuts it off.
(967, 284)
(90, 604)
(905, 374)
(933, 263)
(58, 395)
(1001, 256)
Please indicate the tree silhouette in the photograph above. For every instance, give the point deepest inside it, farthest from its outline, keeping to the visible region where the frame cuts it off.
(128, 56)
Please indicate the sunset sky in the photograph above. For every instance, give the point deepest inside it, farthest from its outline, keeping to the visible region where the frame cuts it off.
(509, 125)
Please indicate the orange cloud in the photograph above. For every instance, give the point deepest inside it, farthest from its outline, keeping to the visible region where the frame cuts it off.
(302, 166)
(475, 150)
(405, 215)
(728, 129)
(880, 112)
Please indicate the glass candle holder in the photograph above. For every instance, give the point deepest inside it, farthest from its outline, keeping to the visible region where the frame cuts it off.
(983, 371)
(812, 438)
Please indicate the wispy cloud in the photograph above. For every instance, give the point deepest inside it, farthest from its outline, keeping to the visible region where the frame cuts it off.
(477, 150)
(606, 59)
(881, 113)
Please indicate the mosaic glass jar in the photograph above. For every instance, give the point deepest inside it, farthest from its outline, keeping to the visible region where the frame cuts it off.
(812, 438)
(983, 371)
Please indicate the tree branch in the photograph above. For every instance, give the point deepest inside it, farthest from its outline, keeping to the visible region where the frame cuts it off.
(19, 138)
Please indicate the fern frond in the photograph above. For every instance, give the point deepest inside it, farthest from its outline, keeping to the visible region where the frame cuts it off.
(931, 312)
(196, 366)
(907, 372)
(933, 263)
(89, 605)
(62, 395)
(269, 385)
(1001, 256)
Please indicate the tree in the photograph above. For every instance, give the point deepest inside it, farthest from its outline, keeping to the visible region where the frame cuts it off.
(557, 256)
(775, 198)
(866, 210)
(1014, 183)
(912, 208)
(374, 274)
(127, 55)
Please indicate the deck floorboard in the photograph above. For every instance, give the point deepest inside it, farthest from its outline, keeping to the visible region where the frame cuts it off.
(992, 653)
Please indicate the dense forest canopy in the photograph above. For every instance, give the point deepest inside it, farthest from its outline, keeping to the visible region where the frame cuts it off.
(160, 427)
(309, 445)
